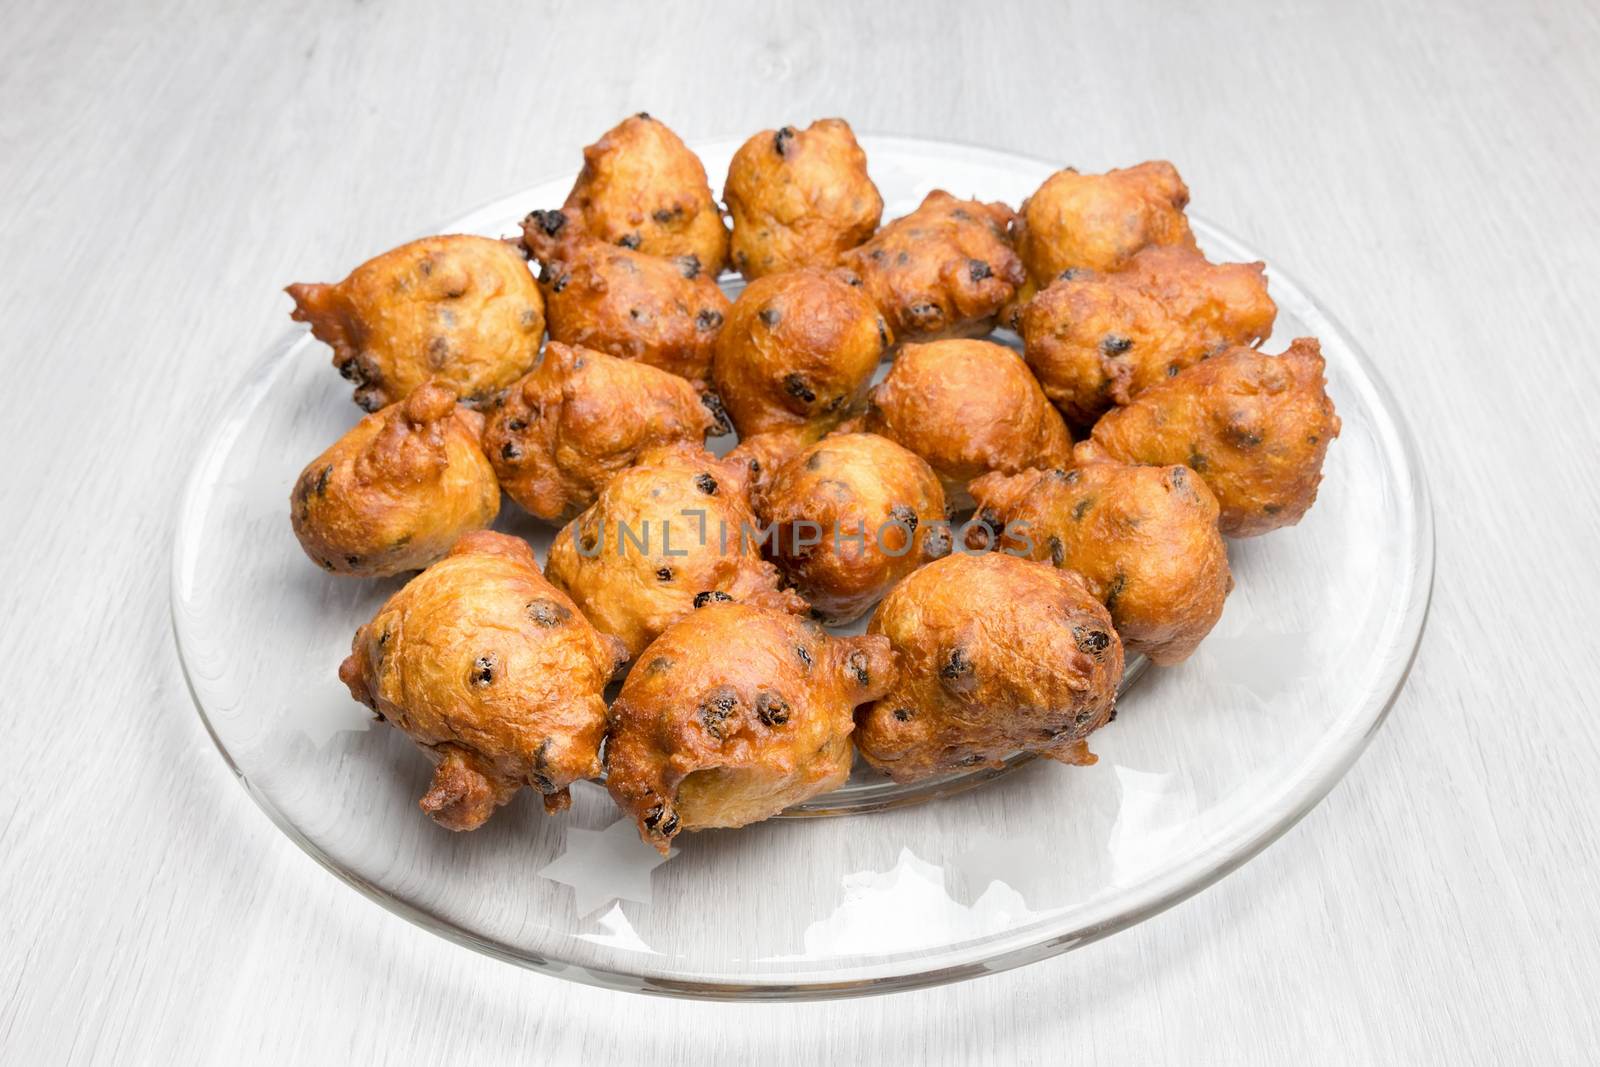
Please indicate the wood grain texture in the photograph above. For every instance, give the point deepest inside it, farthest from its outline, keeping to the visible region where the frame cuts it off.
(1427, 169)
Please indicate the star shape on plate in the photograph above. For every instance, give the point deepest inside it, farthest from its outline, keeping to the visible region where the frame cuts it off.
(605, 865)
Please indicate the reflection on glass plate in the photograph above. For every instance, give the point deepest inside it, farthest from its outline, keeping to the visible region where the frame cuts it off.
(1206, 763)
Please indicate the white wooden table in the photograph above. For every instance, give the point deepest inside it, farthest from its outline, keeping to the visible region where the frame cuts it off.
(1427, 169)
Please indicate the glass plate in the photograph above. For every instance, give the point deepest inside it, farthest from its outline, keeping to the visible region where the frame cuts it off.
(1206, 764)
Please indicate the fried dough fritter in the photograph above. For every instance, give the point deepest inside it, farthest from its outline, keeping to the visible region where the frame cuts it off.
(1144, 538)
(643, 189)
(1255, 427)
(733, 714)
(998, 655)
(945, 270)
(1099, 221)
(1098, 340)
(967, 407)
(581, 416)
(664, 312)
(462, 310)
(799, 198)
(851, 516)
(493, 673)
(799, 347)
(397, 490)
(662, 538)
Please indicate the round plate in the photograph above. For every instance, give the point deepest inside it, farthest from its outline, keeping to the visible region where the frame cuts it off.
(1206, 763)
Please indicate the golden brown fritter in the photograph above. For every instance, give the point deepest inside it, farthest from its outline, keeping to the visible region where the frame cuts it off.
(396, 491)
(664, 312)
(799, 347)
(1098, 221)
(799, 198)
(1254, 426)
(641, 188)
(851, 516)
(1098, 340)
(661, 539)
(945, 270)
(968, 408)
(733, 714)
(494, 673)
(1144, 538)
(464, 311)
(998, 655)
(580, 417)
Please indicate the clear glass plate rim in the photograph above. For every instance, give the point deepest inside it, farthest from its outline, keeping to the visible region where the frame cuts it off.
(1242, 838)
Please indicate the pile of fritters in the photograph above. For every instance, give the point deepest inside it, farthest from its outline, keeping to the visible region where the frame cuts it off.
(1007, 570)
